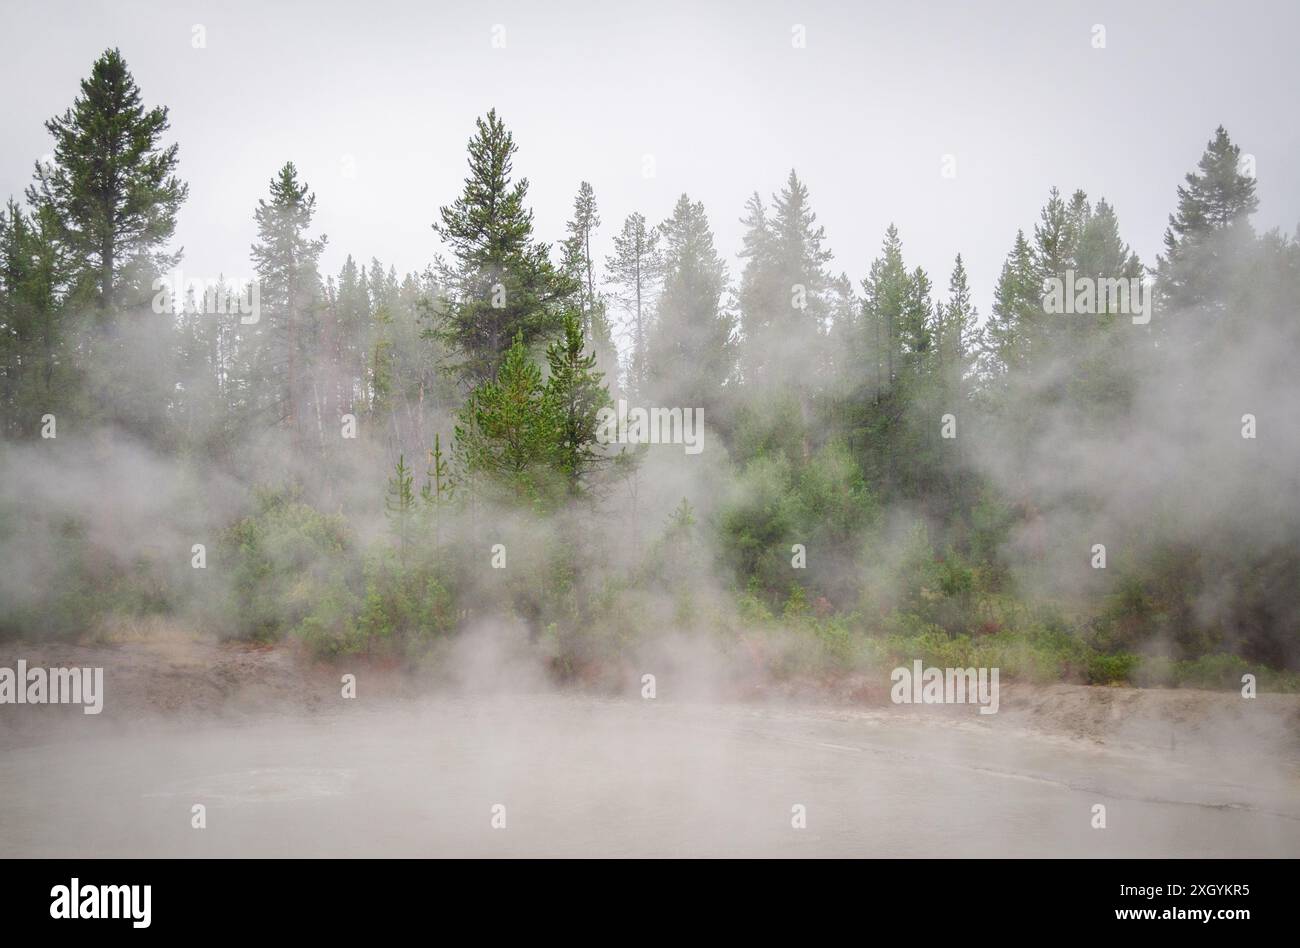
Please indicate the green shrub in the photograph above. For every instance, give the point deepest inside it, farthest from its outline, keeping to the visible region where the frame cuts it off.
(1212, 671)
(406, 605)
(1112, 669)
(286, 560)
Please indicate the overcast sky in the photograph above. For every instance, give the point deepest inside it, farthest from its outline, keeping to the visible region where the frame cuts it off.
(717, 93)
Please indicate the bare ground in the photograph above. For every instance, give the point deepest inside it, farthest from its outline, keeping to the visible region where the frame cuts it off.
(174, 677)
(285, 766)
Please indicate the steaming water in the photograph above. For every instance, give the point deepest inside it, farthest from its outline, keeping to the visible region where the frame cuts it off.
(581, 776)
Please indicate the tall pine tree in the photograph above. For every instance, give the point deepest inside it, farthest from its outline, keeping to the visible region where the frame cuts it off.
(286, 258)
(690, 347)
(112, 186)
(1213, 216)
(500, 283)
(635, 269)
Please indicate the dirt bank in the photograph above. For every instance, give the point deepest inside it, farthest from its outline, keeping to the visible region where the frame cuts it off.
(173, 678)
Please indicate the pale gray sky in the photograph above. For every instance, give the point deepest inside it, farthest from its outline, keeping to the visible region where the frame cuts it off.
(716, 92)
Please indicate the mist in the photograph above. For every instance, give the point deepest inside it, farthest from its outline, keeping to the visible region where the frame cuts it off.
(369, 554)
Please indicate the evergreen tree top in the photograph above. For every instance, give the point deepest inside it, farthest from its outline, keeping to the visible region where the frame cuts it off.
(112, 185)
(489, 222)
(1215, 196)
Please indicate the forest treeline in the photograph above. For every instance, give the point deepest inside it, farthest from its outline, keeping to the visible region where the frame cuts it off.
(887, 473)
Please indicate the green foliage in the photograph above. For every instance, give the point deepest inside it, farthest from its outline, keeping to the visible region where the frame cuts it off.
(406, 606)
(757, 525)
(399, 504)
(1111, 669)
(507, 430)
(112, 186)
(574, 397)
(690, 349)
(83, 584)
(827, 404)
(785, 291)
(285, 559)
(823, 505)
(533, 443)
(439, 489)
(282, 341)
(634, 271)
(1218, 197)
(501, 285)
(38, 374)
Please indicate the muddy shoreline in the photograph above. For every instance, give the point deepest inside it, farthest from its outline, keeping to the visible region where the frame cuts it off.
(193, 681)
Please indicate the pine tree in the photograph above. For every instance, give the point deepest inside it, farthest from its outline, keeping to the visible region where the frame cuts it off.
(846, 353)
(399, 505)
(382, 285)
(783, 291)
(112, 186)
(577, 251)
(1101, 250)
(759, 284)
(381, 366)
(886, 289)
(203, 405)
(1214, 209)
(690, 347)
(1219, 196)
(1098, 349)
(1075, 355)
(286, 260)
(500, 282)
(958, 334)
(635, 270)
(508, 432)
(800, 253)
(439, 486)
(899, 320)
(916, 325)
(422, 390)
(1057, 238)
(1056, 235)
(354, 317)
(1008, 338)
(20, 317)
(49, 279)
(575, 394)
(579, 266)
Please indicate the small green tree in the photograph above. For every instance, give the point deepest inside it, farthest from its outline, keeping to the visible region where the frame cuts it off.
(508, 430)
(399, 505)
(575, 394)
(439, 488)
